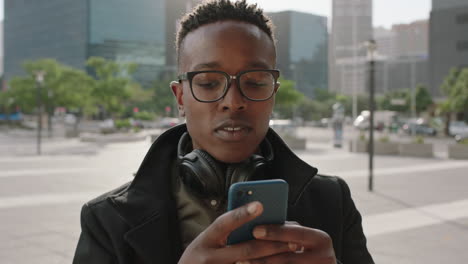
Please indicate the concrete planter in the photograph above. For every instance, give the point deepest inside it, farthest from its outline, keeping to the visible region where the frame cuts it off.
(359, 146)
(386, 148)
(424, 150)
(295, 142)
(458, 151)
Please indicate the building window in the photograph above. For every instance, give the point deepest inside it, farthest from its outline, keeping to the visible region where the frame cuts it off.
(462, 18)
(462, 45)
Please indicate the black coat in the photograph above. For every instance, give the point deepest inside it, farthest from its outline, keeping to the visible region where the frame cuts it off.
(137, 222)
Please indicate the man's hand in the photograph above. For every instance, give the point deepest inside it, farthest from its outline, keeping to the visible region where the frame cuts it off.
(210, 245)
(311, 245)
(289, 243)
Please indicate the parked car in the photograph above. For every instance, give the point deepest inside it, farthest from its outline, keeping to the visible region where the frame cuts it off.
(419, 129)
(168, 122)
(11, 117)
(381, 120)
(458, 128)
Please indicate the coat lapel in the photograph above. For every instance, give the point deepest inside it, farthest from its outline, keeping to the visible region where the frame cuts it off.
(289, 167)
(154, 241)
(148, 208)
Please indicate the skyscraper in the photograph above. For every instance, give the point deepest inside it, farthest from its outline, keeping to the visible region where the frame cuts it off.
(72, 31)
(411, 39)
(448, 45)
(385, 39)
(403, 53)
(351, 28)
(302, 49)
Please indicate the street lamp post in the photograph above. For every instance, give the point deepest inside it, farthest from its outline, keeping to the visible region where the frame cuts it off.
(39, 81)
(49, 110)
(371, 46)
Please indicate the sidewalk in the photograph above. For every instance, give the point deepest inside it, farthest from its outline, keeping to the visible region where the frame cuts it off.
(417, 213)
(20, 142)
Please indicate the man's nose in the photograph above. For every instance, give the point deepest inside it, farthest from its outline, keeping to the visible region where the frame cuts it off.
(234, 100)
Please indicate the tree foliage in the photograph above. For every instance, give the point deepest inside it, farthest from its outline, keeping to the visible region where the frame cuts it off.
(287, 94)
(62, 86)
(286, 99)
(386, 102)
(455, 86)
(423, 99)
(162, 96)
(112, 85)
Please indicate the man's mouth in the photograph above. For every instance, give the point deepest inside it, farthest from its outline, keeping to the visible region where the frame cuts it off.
(231, 130)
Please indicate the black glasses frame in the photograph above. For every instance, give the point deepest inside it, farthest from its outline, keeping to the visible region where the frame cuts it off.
(189, 76)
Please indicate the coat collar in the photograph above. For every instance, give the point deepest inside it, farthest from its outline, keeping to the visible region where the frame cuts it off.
(148, 207)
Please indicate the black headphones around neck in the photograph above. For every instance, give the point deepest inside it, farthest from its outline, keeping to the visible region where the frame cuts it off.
(209, 178)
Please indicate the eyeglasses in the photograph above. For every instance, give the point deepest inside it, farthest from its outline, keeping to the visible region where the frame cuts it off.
(211, 86)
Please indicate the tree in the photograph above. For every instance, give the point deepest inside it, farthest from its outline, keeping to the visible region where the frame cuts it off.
(62, 86)
(455, 86)
(423, 99)
(387, 102)
(112, 85)
(162, 96)
(314, 110)
(286, 98)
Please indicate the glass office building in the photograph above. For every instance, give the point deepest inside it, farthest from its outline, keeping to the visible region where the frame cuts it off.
(302, 49)
(72, 31)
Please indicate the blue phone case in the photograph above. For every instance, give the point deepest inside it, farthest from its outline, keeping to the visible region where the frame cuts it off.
(273, 194)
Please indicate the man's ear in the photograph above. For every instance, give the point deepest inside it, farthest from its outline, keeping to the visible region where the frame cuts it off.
(178, 91)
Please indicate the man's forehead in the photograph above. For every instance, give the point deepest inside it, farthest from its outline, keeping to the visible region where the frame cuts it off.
(224, 31)
(215, 64)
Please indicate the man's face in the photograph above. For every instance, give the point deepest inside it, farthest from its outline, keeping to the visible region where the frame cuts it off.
(232, 128)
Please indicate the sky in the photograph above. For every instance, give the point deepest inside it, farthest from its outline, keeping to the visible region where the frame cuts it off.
(386, 12)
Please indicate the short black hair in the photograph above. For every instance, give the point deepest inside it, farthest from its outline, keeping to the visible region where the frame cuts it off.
(221, 10)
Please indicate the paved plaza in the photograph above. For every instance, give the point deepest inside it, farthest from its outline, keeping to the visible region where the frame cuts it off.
(417, 213)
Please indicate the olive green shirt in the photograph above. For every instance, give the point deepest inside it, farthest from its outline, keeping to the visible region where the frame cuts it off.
(194, 214)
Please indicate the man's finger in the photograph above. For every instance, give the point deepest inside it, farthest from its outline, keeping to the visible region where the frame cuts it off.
(303, 236)
(295, 258)
(254, 249)
(220, 229)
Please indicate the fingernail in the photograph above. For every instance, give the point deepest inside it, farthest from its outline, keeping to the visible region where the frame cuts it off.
(292, 246)
(252, 208)
(259, 232)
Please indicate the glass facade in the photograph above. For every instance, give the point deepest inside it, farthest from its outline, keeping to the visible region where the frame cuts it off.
(130, 31)
(302, 49)
(71, 31)
(309, 51)
(44, 29)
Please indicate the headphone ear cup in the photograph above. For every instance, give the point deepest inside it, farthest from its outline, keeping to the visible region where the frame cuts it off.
(202, 174)
(245, 171)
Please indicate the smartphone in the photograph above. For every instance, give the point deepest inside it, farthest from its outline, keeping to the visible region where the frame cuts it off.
(273, 194)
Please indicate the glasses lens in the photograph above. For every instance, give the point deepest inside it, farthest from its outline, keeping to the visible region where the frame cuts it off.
(257, 85)
(208, 86)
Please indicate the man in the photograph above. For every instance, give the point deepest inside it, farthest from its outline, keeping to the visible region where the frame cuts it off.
(174, 210)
